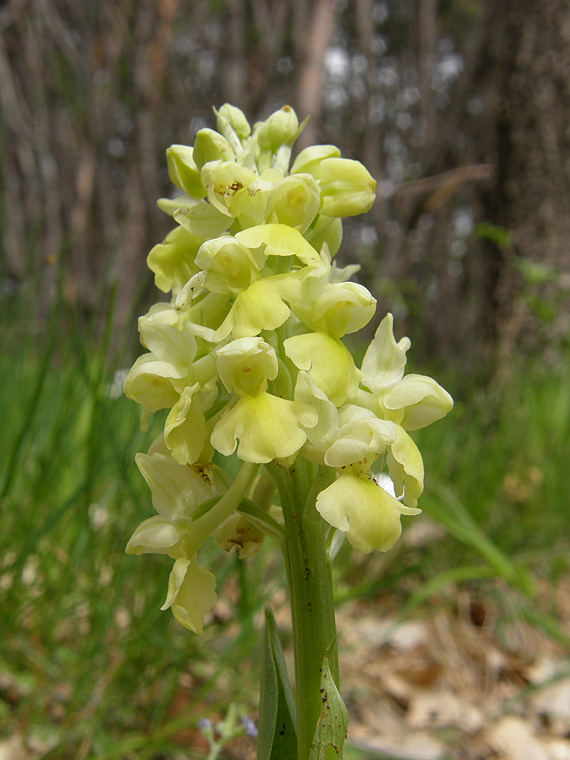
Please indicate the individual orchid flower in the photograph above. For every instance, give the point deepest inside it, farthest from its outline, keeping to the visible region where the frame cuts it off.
(157, 377)
(414, 401)
(173, 260)
(328, 362)
(347, 188)
(364, 511)
(343, 308)
(294, 201)
(169, 376)
(177, 491)
(250, 208)
(337, 308)
(230, 266)
(182, 525)
(225, 182)
(356, 503)
(267, 427)
(265, 303)
(170, 369)
(237, 532)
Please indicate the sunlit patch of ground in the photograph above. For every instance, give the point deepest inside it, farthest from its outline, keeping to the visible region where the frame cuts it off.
(467, 680)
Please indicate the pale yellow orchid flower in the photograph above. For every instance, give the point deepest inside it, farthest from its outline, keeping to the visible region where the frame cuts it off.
(414, 401)
(191, 594)
(267, 427)
(364, 511)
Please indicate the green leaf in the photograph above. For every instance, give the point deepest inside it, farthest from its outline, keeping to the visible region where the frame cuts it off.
(500, 236)
(331, 729)
(277, 739)
(535, 272)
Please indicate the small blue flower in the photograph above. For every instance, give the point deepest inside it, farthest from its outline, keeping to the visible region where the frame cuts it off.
(205, 724)
(249, 725)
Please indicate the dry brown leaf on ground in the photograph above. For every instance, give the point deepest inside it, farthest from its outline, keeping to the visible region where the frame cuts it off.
(514, 737)
(13, 749)
(552, 699)
(444, 709)
(415, 746)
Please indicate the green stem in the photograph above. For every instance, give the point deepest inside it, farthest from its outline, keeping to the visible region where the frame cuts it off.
(310, 590)
(204, 526)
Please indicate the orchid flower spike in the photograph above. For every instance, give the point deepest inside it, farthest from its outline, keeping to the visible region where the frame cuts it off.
(248, 358)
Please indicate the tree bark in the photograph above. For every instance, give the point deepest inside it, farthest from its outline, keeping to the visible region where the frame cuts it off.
(312, 78)
(531, 195)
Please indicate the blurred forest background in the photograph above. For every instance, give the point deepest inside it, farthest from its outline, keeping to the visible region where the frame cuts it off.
(455, 644)
(459, 108)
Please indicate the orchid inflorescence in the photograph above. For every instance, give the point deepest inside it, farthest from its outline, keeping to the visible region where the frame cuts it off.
(248, 357)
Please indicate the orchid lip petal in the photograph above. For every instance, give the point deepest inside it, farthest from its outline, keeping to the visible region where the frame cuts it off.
(266, 427)
(363, 510)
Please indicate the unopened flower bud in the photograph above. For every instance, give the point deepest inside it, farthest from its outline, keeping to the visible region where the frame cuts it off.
(309, 160)
(183, 171)
(211, 146)
(347, 188)
(279, 129)
(172, 261)
(233, 118)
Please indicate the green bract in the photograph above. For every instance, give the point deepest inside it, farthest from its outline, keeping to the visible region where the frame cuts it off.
(249, 360)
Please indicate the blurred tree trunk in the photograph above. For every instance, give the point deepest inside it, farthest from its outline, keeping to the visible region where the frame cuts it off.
(425, 38)
(235, 72)
(432, 96)
(529, 44)
(313, 37)
(371, 143)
